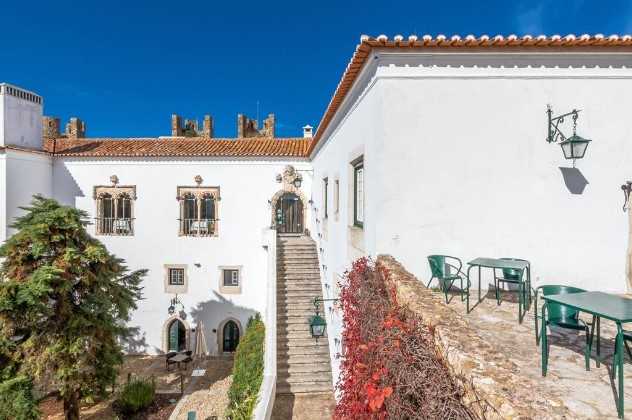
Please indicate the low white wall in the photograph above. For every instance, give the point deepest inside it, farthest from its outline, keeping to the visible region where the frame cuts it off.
(267, 393)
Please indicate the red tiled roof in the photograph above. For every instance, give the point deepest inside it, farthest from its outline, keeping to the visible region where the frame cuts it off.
(470, 42)
(189, 147)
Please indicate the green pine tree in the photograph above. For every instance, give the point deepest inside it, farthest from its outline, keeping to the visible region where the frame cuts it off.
(64, 303)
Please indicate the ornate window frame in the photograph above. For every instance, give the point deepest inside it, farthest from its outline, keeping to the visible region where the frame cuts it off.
(116, 192)
(197, 227)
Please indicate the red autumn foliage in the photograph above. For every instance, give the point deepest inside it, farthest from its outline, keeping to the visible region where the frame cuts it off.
(390, 368)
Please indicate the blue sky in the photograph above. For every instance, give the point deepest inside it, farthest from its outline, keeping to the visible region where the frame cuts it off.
(126, 66)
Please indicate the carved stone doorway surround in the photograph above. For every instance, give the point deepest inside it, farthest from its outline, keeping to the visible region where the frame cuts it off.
(288, 180)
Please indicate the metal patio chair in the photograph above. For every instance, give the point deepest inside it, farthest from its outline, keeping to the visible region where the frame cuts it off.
(512, 276)
(561, 316)
(444, 268)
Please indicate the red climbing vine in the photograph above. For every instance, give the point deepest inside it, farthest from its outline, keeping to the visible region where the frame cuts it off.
(390, 367)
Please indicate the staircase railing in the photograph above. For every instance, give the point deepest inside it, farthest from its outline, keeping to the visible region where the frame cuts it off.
(267, 392)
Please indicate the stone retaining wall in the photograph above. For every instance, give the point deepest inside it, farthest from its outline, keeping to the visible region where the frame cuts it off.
(494, 387)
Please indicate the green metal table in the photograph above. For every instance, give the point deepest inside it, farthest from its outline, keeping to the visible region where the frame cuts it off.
(599, 305)
(497, 263)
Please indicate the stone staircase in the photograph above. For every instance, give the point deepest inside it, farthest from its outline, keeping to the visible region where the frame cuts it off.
(303, 365)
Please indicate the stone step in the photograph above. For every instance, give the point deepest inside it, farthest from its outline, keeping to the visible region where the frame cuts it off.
(291, 359)
(286, 343)
(300, 291)
(287, 297)
(294, 313)
(294, 305)
(303, 388)
(303, 352)
(296, 270)
(296, 255)
(284, 319)
(297, 368)
(290, 336)
(287, 328)
(313, 288)
(298, 377)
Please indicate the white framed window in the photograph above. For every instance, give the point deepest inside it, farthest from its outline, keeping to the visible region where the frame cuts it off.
(199, 207)
(336, 196)
(176, 278)
(115, 210)
(358, 192)
(230, 279)
(325, 197)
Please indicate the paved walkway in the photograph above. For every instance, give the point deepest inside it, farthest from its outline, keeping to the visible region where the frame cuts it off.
(583, 394)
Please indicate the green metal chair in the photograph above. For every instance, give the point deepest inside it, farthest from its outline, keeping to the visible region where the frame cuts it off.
(444, 268)
(562, 316)
(510, 275)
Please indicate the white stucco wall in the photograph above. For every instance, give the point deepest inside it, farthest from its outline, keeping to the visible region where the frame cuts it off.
(27, 174)
(456, 162)
(468, 172)
(244, 213)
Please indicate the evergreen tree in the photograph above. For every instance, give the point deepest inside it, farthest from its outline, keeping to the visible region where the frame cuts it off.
(64, 303)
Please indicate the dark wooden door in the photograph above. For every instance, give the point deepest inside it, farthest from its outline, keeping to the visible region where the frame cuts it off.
(289, 214)
(231, 336)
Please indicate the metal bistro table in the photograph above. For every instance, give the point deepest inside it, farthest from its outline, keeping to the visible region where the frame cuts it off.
(599, 305)
(498, 263)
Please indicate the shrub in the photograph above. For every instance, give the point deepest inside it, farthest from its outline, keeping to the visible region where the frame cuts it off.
(136, 395)
(247, 371)
(16, 400)
(391, 367)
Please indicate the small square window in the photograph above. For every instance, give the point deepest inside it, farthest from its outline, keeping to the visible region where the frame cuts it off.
(176, 276)
(231, 277)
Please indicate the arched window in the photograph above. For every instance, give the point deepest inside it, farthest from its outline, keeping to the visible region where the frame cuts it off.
(198, 211)
(115, 210)
(107, 213)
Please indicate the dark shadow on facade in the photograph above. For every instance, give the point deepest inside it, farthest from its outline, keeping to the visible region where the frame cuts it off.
(575, 181)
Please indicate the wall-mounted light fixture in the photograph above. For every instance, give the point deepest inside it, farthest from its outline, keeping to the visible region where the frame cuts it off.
(317, 323)
(573, 147)
(174, 302)
(627, 189)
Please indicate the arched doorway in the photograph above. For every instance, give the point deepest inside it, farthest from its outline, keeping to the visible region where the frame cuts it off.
(289, 214)
(177, 338)
(230, 336)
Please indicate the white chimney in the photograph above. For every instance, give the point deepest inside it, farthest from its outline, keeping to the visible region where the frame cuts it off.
(20, 117)
(308, 131)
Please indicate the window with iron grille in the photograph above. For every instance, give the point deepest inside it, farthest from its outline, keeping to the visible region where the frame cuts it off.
(198, 211)
(176, 276)
(325, 194)
(114, 210)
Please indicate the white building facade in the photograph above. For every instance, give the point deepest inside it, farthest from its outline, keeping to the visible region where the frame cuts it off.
(429, 146)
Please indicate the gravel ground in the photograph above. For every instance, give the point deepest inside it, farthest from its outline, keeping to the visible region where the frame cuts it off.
(208, 402)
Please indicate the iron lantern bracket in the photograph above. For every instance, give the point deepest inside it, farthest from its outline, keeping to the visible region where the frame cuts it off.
(318, 301)
(627, 189)
(554, 132)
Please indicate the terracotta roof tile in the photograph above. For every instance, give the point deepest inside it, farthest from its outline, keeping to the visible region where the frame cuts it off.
(184, 147)
(456, 43)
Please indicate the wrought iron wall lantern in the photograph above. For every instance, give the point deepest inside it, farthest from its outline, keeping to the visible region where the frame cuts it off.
(175, 302)
(573, 147)
(317, 324)
(627, 189)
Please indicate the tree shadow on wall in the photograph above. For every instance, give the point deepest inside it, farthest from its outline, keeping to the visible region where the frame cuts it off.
(575, 181)
(213, 312)
(135, 341)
